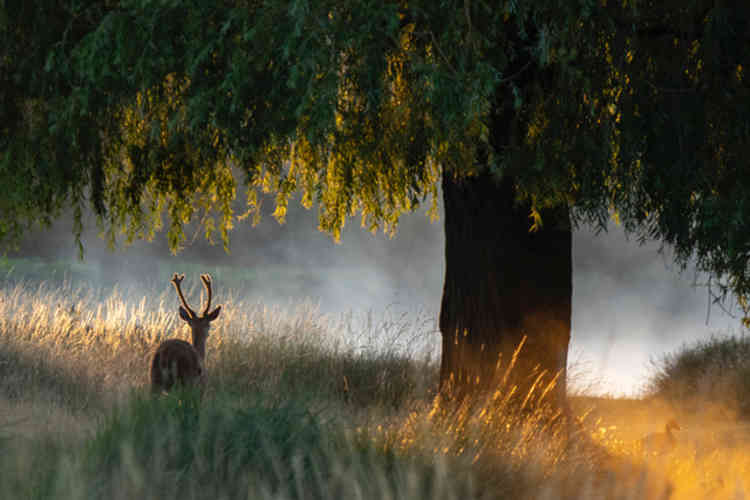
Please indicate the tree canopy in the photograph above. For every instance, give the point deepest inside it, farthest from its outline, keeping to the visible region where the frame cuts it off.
(139, 108)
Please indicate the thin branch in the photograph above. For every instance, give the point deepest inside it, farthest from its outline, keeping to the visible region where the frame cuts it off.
(517, 73)
(717, 299)
(442, 54)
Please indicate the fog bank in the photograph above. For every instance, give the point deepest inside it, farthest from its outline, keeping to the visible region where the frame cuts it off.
(630, 304)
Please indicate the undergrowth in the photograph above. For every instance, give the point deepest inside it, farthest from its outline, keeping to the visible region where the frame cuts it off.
(707, 373)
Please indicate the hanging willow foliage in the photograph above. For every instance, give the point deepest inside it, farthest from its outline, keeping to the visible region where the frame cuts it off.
(147, 108)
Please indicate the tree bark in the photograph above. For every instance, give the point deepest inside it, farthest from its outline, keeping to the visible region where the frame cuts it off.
(503, 284)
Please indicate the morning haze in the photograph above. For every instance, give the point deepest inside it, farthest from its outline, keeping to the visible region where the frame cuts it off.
(631, 304)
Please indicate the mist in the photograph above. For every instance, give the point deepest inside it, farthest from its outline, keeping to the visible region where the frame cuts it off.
(631, 304)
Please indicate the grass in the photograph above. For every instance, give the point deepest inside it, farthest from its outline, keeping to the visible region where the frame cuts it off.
(303, 405)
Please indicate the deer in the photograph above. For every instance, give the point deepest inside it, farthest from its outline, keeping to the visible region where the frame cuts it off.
(176, 362)
(661, 443)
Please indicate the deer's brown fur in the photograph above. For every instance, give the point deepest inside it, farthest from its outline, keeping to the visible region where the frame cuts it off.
(175, 362)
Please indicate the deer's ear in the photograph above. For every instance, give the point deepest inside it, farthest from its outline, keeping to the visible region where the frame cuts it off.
(184, 314)
(213, 314)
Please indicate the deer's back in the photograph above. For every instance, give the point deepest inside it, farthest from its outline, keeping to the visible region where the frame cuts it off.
(175, 361)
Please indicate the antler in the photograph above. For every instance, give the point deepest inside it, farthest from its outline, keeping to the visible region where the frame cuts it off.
(177, 281)
(206, 279)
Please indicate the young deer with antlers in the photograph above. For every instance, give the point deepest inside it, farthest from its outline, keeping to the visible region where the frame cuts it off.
(176, 361)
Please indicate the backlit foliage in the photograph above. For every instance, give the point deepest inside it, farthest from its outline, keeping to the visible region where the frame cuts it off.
(142, 108)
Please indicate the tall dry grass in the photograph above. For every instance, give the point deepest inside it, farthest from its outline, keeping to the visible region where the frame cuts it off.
(86, 348)
(300, 404)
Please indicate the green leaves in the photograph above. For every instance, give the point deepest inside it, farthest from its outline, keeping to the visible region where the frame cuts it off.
(159, 108)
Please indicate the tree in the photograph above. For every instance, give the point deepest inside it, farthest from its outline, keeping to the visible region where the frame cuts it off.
(533, 116)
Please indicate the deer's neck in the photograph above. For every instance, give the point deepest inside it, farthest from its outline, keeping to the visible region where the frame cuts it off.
(199, 341)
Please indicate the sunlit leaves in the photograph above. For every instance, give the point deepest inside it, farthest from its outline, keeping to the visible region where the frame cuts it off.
(154, 111)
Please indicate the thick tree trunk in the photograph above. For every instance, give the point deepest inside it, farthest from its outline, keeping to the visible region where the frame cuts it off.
(503, 284)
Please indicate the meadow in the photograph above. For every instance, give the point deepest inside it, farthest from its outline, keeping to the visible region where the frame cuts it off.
(299, 404)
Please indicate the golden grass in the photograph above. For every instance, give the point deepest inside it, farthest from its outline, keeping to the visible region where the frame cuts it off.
(69, 355)
(712, 456)
(83, 348)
